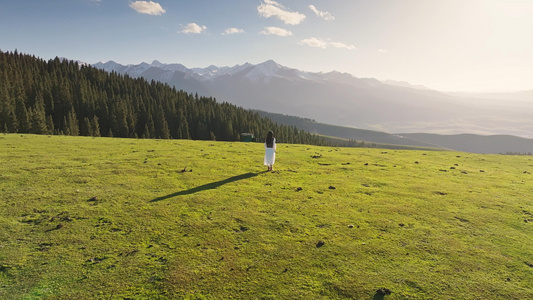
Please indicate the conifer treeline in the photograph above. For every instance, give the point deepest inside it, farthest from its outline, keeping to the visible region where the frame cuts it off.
(63, 97)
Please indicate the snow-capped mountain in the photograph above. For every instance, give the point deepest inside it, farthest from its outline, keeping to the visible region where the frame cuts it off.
(340, 98)
(262, 71)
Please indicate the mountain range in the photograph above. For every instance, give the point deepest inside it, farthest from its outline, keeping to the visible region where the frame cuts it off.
(344, 100)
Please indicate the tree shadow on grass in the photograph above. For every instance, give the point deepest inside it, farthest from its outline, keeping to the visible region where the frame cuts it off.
(209, 186)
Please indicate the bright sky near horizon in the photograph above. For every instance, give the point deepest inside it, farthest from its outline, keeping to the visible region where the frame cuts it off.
(448, 45)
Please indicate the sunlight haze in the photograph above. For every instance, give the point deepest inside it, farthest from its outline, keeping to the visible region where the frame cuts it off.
(447, 45)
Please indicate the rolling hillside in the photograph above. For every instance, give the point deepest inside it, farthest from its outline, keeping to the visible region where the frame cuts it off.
(477, 143)
(361, 135)
(107, 218)
(465, 142)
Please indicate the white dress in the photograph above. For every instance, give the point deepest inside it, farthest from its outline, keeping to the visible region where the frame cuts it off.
(270, 154)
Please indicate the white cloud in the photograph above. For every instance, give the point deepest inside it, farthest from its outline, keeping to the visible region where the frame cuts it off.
(341, 45)
(276, 31)
(193, 28)
(318, 43)
(147, 7)
(322, 14)
(314, 42)
(232, 31)
(382, 51)
(272, 8)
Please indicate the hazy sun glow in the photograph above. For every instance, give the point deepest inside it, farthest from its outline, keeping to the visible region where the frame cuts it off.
(443, 44)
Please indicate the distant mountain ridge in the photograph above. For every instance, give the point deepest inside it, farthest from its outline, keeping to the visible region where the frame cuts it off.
(342, 99)
(262, 71)
(492, 144)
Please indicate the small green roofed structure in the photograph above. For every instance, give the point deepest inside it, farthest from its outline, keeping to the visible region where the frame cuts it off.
(247, 137)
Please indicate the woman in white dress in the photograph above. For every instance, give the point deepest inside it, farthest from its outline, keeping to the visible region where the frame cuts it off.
(270, 150)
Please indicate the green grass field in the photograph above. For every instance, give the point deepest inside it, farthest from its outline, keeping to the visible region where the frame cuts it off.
(102, 218)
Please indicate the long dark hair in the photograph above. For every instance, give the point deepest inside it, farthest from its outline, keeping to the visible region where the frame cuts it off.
(270, 139)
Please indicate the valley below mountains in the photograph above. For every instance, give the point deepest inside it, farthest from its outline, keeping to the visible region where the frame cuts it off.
(341, 99)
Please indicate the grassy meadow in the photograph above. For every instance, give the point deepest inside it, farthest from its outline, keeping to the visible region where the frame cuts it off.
(104, 218)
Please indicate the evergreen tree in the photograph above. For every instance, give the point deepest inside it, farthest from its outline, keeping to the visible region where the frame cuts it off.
(72, 126)
(95, 126)
(38, 116)
(183, 130)
(9, 117)
(162, 130)
(150, 126)
(50, 124)
(86, 128)
(22, 115)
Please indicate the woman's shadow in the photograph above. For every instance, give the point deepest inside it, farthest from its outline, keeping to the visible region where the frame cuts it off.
(209, 186)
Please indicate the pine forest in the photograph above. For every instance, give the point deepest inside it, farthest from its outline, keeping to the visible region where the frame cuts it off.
(63, 97)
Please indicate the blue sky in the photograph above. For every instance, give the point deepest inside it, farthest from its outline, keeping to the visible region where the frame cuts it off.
(449, 45)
